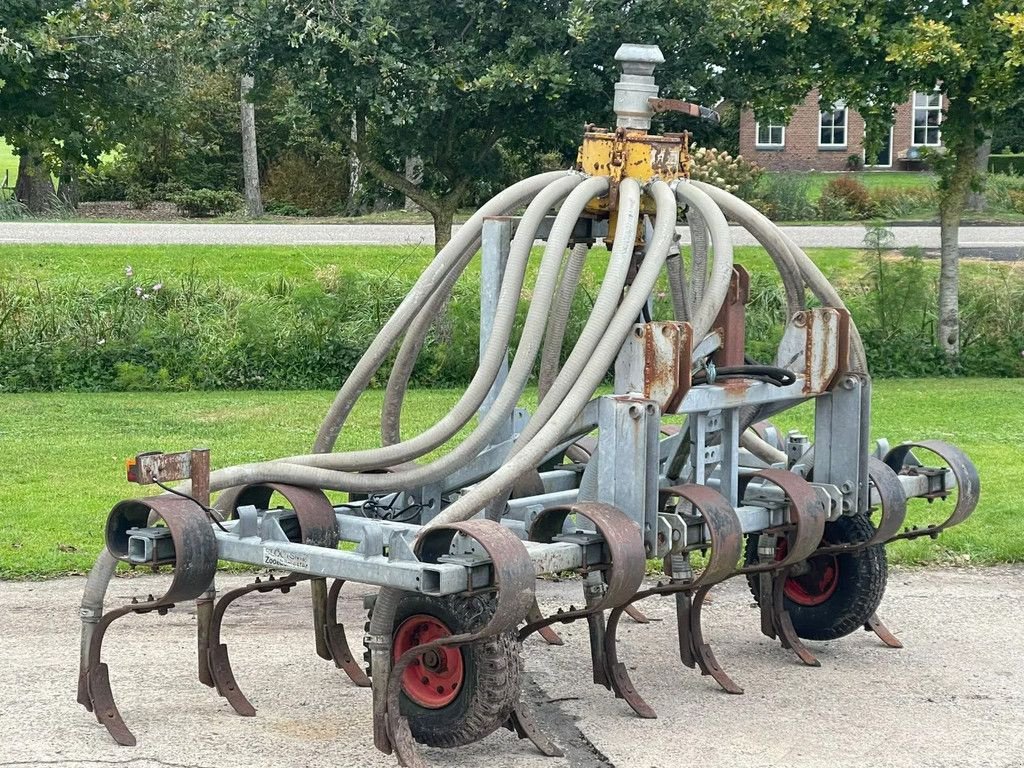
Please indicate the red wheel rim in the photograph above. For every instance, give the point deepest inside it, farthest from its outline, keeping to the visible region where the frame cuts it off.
(433, 679)
(817, 584)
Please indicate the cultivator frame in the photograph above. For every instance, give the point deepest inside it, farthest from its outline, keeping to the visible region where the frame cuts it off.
(682, 462)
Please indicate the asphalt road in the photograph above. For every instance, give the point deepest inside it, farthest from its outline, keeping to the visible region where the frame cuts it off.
(954, 696)
(1005, 242)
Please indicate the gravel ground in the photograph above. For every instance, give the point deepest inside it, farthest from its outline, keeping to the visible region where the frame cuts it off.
(952, 697)
(1002, 240)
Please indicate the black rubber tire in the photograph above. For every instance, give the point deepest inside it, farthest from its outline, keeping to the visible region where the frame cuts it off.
(493, 673)
(860, 584)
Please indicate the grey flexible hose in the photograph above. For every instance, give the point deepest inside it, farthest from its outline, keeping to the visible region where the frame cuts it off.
(314, 468)
(698, 255)
(420, 293)
(677, 287)
(490, 361)
(529, 451)
(768, 453)
(96, 585)
(409, 351)
(717, 286)
(555, 335)
(771, 239)
(758, 224)
(493, 356)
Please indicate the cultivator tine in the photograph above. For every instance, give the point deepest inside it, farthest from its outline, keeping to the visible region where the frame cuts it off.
(192, 540)
(968, 485)
(551, 637)
(204, 621)
(515, 581)
(636, 614)
(606, 585)
(525, 725)
(337, 642)
(803, 536)
(318, 592)
(701, 649)
(874, 624)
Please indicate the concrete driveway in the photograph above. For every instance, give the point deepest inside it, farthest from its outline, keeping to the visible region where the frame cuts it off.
(953, 697)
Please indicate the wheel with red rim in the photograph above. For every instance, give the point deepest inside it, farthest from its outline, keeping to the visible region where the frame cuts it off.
(830, 596)
(455, 696)
(434, 678)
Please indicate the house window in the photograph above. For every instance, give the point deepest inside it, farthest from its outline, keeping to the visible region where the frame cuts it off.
(771, 134)
(927, 116)
(832, 127)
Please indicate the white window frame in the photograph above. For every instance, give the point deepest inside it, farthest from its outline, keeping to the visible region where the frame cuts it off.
(846, 127)
(913, 118)
(769, 125)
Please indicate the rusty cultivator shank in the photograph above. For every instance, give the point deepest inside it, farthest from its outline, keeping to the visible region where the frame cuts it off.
(679, 464)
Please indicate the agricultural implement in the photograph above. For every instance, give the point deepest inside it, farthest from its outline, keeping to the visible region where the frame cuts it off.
(679, 463)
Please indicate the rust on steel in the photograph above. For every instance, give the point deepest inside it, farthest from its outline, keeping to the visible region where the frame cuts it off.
(195, 549)
(968, 484)
(731, 320)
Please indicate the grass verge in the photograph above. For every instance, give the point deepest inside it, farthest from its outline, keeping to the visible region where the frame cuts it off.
(63, 466)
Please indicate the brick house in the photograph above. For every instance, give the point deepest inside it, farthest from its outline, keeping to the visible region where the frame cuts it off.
(824, 141)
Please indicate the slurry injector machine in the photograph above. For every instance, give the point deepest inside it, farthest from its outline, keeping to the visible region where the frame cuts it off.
(679, 464)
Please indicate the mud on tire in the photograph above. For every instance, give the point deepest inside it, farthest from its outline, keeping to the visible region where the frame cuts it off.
(827, 611)
(492, 673)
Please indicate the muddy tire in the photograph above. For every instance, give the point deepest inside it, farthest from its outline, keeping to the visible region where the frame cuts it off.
(838, 593)
(479, 683)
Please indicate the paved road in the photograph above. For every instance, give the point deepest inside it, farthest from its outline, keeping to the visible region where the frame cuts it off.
(1000, 239)
(953, 697)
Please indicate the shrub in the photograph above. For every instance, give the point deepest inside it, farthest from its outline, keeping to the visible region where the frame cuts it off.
(895, 203)
(139, 197)
(854, 163)
(298, 183)
(733, 174)
(1002, 191)
(107, 181)
(1006, 163)
(11, 209)
(844, 195)
(784, 196)
(195, 203)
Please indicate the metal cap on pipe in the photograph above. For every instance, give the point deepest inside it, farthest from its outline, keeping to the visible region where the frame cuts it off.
(636, 86)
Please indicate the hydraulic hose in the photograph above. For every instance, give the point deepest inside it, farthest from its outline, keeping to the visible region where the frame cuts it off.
(555, 335)
(677, 287)
(717, 286)
(420, 293)
(760, 226)
(490, 361)
(529, 451)
(493, 355)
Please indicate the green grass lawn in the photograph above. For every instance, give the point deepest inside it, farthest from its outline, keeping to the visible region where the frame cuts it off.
(63, 464)
(8, 163)
(902, 180)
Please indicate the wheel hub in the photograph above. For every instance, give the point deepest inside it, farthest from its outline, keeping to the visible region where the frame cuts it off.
(435, 678)
(815, 582)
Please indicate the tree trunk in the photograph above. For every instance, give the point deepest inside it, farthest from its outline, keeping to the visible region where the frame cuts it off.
(976, 199)
(250, 161)
(68, 192)
(952, 201)
(34, 187)
(413, 173)
(355, 177)
(442, 226)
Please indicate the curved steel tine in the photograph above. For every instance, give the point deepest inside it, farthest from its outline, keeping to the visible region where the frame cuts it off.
(318, 594)
(337, 641)
(551, 637)
(702, 652)
(525, 725)
(636, 614)
(784, 623)
(100, 695)
(618, 677)
(874, 624)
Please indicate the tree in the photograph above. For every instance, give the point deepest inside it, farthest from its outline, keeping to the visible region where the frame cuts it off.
(463, 86)
(77, 75)
(250, 161)
(872, 54)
